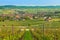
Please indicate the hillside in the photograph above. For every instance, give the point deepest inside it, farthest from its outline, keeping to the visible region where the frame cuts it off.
(13, 6)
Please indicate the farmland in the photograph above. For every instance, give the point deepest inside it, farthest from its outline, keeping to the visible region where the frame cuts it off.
(29, 23)
(31, 30)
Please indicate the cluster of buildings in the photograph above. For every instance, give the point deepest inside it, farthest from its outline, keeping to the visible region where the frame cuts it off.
(21, 15)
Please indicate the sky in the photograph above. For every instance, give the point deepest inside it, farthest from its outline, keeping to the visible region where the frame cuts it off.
(30, 2)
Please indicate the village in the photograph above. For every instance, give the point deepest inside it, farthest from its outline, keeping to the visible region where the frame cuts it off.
(23, 15)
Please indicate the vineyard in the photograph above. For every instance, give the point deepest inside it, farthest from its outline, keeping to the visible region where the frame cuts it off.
(18, 33)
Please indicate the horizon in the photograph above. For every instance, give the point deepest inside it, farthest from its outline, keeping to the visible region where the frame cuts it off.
(29, 5)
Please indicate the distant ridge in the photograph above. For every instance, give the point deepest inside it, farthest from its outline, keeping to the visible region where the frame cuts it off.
(13, 6)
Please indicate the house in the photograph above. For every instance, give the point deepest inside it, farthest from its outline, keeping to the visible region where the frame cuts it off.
(47, 18)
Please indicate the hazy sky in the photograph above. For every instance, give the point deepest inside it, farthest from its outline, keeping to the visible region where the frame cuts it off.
(30, 2)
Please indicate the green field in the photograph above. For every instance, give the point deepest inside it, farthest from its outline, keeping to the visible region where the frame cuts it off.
(28, 36)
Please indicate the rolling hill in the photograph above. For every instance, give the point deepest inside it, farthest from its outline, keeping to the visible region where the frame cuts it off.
(13, 6)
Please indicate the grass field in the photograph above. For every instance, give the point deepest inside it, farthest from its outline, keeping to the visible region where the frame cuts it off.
(28, 36)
